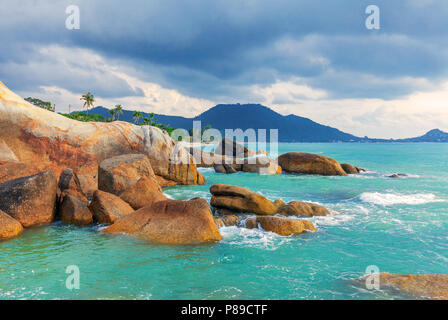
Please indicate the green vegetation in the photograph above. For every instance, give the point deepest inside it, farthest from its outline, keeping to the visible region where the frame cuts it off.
(41, 104)
(85, 117)
(88, 99)
(115, 113)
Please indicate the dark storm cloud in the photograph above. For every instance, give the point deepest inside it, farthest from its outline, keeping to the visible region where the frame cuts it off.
(213, 48)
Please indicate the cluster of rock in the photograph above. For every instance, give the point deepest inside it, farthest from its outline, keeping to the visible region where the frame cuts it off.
(228, 200)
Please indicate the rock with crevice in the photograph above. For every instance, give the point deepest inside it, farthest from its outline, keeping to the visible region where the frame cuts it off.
(234, 199)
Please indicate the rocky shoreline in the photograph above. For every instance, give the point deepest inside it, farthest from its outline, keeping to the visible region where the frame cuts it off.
(55, 168)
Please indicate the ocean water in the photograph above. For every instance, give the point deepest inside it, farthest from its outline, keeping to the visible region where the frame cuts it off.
(398, 225)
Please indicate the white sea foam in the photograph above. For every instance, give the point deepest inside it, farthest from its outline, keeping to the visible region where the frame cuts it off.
(387, 199)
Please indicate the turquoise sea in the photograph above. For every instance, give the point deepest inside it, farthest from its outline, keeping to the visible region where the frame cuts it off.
(399, 225)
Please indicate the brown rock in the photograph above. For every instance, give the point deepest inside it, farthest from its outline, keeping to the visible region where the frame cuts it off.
(238, 200)
(261, 165)
(74, 211)
(30, 200)
(227, 220)
(299, 208)
(13, 170)
(349, 169)
(419, 286)
(6, 154)
(9, 227)
(107, 208)
(89, 184)
(284, 226)
(308, 163)
(171, 222)
(118, 173)
(52, 141)
(69, 184)
(143, 193)
(251, 223)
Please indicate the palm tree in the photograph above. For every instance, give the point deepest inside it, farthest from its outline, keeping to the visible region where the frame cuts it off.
(146, 121)
(152, 119)
(112, 113)
(118, 110)
(137, 115)
(89, 99)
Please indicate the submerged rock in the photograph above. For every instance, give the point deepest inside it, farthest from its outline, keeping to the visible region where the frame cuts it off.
(30, 200)
(9, 227)
(285, 226)
(308, 163)
(118, 173)
(299, 208)
(171, 222)
(420, 286)
(227, 220)
(143, 193)
(107, 208)
(228, 198)
(74, 211)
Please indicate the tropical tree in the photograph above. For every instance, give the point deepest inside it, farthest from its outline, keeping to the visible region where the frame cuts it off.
(137, 115)
(146, 121)
(88, 99)
(118, 110)
(112, 113)
(152, 119)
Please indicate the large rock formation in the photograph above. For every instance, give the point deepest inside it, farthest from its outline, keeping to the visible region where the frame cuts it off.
(9, 227)
(52, 141)
(233, 199)
(261, 165)
(6, 154)
(285, 226)
(299, 208)
(118, 173)
(418, 286)
(308, 163)
(13, 170)
(74, 211)
(30, 200)
(143, 193)
(171, 222)
(107, 208)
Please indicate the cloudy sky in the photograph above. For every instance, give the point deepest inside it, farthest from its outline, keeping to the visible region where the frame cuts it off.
(306, 57)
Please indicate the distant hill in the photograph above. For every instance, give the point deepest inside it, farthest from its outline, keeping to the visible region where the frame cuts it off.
(434, 135)
(292, 128)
